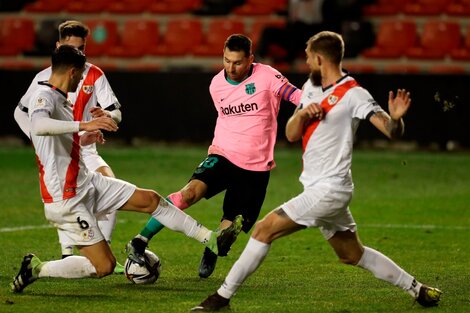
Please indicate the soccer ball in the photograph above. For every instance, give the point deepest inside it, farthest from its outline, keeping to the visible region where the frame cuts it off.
(143, 274)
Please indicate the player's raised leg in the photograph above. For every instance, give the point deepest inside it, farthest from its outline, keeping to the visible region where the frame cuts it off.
(149, 201)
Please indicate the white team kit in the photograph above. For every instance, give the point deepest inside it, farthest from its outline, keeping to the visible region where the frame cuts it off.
(73, 196)
(328, 145)
(92, 90)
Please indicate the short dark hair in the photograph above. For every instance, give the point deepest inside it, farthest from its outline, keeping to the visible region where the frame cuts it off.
(328, 44)
(238, 42)
(73, 28)
(66, 56)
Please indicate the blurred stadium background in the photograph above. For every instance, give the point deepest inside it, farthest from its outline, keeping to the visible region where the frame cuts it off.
(160, 55)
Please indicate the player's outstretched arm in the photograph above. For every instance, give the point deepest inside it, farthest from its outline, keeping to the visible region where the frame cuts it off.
(392, 125)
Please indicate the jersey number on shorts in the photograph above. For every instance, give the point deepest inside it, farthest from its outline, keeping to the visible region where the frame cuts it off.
(207, 163)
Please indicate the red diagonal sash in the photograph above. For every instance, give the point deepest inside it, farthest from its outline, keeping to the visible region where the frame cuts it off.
(327, 104)
(83, 97)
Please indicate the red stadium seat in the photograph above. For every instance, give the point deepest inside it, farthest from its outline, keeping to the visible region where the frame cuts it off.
(459, 8)
(87, 6)
(463, 52)
(217, 32)
(180, 37)
(437, 39)
(174, 7)
(256, 7)
(45, 6)
(426, 7)
(260, 24)
(128, 6)
(137, 38)
(17, 34)
(393, 38)
(103, 35)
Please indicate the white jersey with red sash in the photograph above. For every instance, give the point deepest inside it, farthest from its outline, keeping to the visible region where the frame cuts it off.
(93, 89)
(61, 170)
(328, 143)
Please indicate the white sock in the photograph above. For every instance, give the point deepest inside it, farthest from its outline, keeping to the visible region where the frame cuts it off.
(175, 219)
(72, 267)
(107, 226)
(66, 249)
(250, 259)
(384, 268)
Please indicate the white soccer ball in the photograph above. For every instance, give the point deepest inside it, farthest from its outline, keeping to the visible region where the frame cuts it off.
(143, 274)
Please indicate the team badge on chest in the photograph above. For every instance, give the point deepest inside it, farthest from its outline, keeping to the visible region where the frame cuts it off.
(250, 88)
(88, 89)
(332, 99)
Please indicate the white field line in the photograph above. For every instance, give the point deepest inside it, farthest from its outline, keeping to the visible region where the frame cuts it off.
(408, 226)
(392, 226)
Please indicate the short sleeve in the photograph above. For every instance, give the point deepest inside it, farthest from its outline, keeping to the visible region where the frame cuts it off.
(364, 105)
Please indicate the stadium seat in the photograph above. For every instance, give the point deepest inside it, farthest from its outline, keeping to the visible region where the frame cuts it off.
(217, 32)
(103, 35)
(128, 6)
(46, 6)
(260, 24)
(437, 39)
(137, 38)
(87, 6)
(17, 35)
(47, 34)
(426, 7)
(181, 35)
(463, 53)
(256, 7)
(174, 7)
(393, 38)
(459, 8)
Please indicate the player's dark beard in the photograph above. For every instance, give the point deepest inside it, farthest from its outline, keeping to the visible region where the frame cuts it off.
(315, 78)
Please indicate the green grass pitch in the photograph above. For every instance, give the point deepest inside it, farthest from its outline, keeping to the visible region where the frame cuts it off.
(412, 206)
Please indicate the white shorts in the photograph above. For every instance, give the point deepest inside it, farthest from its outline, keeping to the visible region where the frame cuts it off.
(91, 158)
(77, 217)
(324, 207)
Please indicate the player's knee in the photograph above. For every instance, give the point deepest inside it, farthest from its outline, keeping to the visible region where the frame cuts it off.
(106, 267)
(262, 232)
(190, 195)
(349, 259)
(150, 200)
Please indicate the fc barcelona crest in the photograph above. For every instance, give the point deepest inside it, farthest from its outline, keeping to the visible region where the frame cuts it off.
(88, 89)
(332, 99)
(250, 88)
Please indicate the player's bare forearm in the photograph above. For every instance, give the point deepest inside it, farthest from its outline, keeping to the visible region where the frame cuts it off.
(396, 128)
(300, 118)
